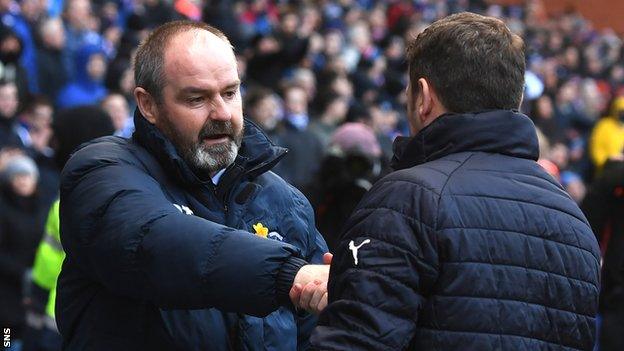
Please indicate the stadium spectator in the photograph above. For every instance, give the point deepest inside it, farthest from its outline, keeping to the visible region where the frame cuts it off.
(87, 88)
(117, 107)
(299, 166)
(347, 172)
(604, 208)
(11, 49)
(264, 108)
(333, 114)
(13, 20)
(22, 218)
(8, 111)
(52, 71)
(607, 138)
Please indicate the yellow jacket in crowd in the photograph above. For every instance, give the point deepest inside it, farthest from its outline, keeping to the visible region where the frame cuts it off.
(607, 138)
(49, 258)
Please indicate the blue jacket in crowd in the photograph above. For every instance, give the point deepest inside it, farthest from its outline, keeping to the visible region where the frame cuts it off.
(83, 89)
(469, 245)
(18, 24)
(150, 248)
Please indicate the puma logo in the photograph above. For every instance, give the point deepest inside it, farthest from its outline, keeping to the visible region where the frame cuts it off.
(355, 249)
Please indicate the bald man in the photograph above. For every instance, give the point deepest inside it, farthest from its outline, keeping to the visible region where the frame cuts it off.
(181, 238)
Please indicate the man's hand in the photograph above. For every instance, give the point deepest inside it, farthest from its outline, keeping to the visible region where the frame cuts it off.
(327, 258)
(309, 289)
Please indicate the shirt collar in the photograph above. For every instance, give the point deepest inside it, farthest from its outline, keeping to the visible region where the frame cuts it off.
(217, 176)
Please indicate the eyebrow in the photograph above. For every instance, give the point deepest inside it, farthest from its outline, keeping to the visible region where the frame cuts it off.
(198, 90)
(233, 85)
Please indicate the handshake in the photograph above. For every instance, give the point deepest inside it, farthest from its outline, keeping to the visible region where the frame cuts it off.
(309, 290)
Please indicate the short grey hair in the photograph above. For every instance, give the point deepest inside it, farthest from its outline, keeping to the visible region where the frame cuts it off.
(149, 60)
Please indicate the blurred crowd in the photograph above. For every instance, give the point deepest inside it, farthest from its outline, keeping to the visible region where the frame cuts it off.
(324, 78)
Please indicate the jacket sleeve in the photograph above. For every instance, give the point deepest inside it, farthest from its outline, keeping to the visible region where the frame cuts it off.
(374, 303)
(123, 233)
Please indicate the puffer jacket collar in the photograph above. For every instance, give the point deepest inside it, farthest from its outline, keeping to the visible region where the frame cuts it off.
(506, 132)
(256, 155)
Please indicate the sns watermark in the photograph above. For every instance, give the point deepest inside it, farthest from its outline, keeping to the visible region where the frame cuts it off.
(6, 340)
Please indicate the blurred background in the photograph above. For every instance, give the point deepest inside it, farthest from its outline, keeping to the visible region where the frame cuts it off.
(324, 78)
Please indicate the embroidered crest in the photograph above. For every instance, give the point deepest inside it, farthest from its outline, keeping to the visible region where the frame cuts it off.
(275, 236)
(183, 209)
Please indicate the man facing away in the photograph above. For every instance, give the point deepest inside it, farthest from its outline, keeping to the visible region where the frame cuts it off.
(185, 217)
(469, 244)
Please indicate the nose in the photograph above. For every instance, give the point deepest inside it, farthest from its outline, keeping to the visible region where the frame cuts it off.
(220, 110)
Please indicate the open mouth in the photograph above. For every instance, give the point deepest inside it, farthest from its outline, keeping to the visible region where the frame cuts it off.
(215, 139)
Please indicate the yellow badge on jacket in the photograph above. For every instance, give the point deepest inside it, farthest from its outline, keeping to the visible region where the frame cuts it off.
(261, 230)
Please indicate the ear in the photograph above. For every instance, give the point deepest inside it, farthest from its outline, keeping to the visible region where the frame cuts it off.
(146, 104)
(411, 97)
(426, 102)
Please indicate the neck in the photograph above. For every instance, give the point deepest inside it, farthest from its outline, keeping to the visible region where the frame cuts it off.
(436, 112)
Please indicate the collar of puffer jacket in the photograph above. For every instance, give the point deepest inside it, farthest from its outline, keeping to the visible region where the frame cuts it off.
(506, 132)
(256, 155)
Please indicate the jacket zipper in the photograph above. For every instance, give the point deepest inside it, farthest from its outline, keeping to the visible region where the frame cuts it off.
(223, 203)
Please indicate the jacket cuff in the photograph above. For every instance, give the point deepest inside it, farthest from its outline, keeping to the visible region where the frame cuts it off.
(286, 277)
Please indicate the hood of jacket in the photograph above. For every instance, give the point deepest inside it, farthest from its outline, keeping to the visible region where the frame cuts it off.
(82, 61)
(505, 132)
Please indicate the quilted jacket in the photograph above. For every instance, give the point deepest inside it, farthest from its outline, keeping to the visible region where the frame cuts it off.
(468, 245)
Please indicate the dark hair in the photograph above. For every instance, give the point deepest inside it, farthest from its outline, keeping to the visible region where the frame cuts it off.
(255, 95)
(36, 101)
(287, 87)
(327, 98)
(473, 63)
(78, 125)
(150, 56)
(4, 82)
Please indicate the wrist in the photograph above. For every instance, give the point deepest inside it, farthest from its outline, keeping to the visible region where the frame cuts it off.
(286, 279)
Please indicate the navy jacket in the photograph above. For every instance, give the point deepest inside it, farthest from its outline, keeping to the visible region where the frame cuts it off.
(469, 245)
(151, 248)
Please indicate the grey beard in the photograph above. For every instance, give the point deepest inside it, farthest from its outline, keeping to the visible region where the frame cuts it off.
(211, 159)
(205, 159)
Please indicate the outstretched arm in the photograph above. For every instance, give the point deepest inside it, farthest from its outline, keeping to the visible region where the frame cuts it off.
(122, 231)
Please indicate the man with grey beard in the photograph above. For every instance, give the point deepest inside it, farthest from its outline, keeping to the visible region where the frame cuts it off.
(181, 238)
